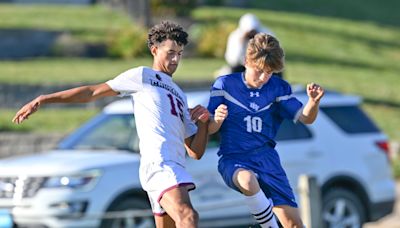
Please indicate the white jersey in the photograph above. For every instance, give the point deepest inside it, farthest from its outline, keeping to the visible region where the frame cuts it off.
(161, 113)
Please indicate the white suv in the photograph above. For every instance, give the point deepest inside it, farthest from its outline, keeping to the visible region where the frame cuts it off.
(95, 171)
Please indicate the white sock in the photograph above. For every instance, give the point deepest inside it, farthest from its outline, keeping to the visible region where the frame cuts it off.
(261, 208)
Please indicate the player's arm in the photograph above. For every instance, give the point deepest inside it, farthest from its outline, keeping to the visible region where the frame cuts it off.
(196, 144)
(220, 115)
(310, 110)
(80, 94)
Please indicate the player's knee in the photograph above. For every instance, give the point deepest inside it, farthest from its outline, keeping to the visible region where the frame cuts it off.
(194, 216)
(247, 182)
(187, 215)
(294, 222)
(298, 224)
(191, 214)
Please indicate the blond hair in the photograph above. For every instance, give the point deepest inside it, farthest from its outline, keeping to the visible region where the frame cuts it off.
(264, 51)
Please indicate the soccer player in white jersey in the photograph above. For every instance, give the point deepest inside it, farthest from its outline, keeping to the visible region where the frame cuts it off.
(257, 103)
(164, 122)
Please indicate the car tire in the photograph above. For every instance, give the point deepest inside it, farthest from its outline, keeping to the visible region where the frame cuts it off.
(125, 205)
(342, 208)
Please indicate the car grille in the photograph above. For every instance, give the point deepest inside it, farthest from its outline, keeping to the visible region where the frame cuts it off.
(20, 187)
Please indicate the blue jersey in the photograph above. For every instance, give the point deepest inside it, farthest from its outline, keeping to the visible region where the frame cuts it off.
(255, 114)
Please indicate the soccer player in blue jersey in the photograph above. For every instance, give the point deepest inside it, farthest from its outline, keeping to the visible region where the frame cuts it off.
(258, 102)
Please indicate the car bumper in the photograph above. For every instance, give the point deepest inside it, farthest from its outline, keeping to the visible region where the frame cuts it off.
(55, 208)
(381, 209)
(29, 215)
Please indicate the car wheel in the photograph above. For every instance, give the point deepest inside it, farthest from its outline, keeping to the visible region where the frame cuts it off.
(342, 208)
(125, 205)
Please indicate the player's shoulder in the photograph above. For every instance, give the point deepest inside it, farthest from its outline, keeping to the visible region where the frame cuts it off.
(134, 71)
(229, 78)
(227, 82)
(144, 70)
(278, 81)
(279, 85)
(147, 73)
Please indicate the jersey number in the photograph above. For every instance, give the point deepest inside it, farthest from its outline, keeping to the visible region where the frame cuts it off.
(174, 106)
(253, 123)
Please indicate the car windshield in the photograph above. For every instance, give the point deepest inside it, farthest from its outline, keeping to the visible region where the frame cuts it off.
(106, 131)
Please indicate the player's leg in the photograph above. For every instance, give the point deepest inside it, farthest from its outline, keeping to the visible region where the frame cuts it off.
(176, 203)
(285, 206)
(246, 181)
(260, 206)
(167, 185)
(164, 221)
(288, 216)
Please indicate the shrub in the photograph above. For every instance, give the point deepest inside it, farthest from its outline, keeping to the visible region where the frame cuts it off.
(128, 43)
(66, 45)
(211, 38)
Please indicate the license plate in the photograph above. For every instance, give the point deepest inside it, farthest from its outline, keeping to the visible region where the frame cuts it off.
(6, 220)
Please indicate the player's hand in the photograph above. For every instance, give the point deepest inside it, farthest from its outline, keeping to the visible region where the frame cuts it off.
(26, 111)
(315, 92)
(199, 113)
(221, 113)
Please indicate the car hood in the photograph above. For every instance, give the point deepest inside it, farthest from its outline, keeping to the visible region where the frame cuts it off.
(64, 161)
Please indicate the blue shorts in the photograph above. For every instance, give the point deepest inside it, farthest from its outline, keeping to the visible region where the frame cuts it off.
(268, 169)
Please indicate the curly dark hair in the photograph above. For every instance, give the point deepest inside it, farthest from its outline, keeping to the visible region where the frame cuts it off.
(164, 31)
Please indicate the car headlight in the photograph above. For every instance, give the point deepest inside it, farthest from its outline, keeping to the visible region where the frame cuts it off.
(83, 180)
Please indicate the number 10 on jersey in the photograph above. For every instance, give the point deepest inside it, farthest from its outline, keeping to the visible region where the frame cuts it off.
(253, 123)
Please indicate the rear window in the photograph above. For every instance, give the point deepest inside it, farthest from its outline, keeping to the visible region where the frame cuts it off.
(116, 131)
(350, 119)
(292, 131)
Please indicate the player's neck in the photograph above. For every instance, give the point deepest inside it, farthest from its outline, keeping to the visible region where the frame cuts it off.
(156, 68)
(247, 84)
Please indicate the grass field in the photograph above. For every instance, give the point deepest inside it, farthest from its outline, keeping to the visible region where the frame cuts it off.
(91, 23)
(343, 50)
(69, 70)
(48, 120)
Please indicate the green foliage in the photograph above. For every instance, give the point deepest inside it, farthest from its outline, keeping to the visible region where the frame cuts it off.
(211, 38)
(65, 45)
(172, 7)
(213, 2)
(396, 168)
(128, 43)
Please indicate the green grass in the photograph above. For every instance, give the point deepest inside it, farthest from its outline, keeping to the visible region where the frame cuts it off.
(349, 50)
(385, 13)
(70, 70)
(90, 23)
(47, 120)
